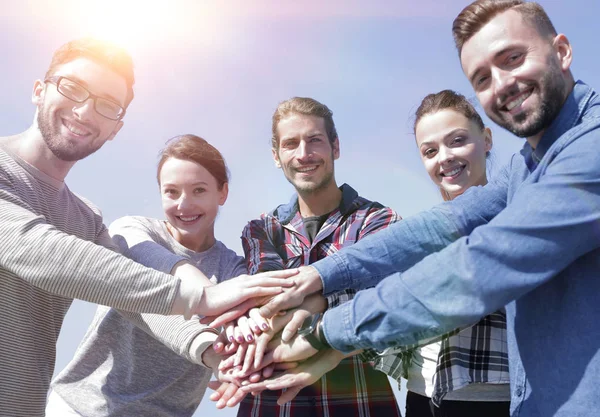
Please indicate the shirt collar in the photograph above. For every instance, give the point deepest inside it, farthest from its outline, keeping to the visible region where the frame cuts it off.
(286, 212)
(569, 115)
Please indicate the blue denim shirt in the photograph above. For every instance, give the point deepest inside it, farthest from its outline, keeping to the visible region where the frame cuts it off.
(529, 240)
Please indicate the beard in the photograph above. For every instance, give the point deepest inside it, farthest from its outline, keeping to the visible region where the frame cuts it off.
(551, 90)
(64, 149)
(311, 187)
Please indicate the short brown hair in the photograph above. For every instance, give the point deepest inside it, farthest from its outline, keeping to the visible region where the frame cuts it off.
(306, 106)
(480, 12)
(447, 99)
(195, 149)
(103, 52)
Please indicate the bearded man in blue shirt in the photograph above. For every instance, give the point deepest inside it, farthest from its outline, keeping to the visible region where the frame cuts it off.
(529, 240)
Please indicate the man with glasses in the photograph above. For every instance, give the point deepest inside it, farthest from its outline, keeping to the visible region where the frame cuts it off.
(54, 245)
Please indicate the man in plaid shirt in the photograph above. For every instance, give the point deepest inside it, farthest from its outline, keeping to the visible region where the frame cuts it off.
(320, 220)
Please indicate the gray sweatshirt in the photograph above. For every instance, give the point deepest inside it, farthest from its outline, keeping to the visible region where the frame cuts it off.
(152, 367)
(51, 252)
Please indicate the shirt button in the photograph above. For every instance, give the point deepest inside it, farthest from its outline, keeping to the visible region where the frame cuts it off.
(519, 391)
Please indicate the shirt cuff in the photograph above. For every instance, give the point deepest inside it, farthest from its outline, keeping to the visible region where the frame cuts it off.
(337, 328)
(200, 343)
(333, 272)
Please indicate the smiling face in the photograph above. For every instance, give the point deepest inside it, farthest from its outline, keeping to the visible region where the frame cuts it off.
(305, 153)
(73, 130)
(453, 150)
(190, 199)
(521, 78)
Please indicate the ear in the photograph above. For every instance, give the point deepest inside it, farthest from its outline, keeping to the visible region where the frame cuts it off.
(118, 127)
(564, 52)
(336, 148)
(37, 95)
(487, 137)
(276, 157)
(224, 193)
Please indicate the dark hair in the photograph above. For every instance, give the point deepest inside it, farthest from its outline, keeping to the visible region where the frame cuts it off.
(480, 12)
(106, 53)
(195, 149)
(306, 106)
(447, 99)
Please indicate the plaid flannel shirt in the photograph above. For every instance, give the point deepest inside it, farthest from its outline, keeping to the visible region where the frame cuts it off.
(476, 354)
(277, 241)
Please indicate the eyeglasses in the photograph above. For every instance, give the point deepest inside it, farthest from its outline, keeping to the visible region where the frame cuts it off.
(79, 94)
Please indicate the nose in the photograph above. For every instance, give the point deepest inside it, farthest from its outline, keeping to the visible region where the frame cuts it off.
(303, 151)
(444, 155)
(84, 111)
(183, 202)
(503, 82)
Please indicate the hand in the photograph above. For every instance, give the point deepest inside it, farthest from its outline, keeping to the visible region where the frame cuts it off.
(305, 374)
(289, 322)
(243, 290)
(308, 281)
(226, 394)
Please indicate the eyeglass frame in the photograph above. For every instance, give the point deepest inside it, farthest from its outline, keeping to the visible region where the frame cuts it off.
(56, 79)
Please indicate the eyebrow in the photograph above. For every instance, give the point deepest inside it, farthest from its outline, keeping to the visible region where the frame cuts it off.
(496, 55)
(169, 184)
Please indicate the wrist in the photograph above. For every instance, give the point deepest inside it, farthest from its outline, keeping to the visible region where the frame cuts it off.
(310, 280)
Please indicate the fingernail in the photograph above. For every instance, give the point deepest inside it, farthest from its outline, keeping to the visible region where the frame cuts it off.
(265, 326)
(240, 339)
(218, 345)
(249, 338)
(256, 328)
(231, 339)
(244, 383)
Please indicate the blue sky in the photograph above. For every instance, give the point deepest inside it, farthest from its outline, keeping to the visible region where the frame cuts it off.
(219, 69)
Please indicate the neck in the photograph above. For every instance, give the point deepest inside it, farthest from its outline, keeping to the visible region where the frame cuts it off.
(320, 202)
(31, 147)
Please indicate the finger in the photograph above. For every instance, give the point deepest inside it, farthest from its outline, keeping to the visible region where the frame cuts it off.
(229, 328)
(244, 328)
(226, 363)
(218, 387)
(288, 395)
(261, 291)
(260, 321)
(292, 327)
(220, 342)
(255, 377)
(236, 398)
(237, 335)
(267, 371)
(283, 273)
(233, 313)
(231, 348)
(276, 304)
(248, 359)
(261, 348)
(284, 366)
(239, 356)
(253, 326)
(226, 396)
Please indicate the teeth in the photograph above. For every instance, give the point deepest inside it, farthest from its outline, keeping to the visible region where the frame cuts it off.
(306, 169)
(452, 173)
(511, 105)
(75, 129)
(188, 219)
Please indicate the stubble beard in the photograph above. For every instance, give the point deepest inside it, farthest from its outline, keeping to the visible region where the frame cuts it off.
(551, 90)
(61, 148)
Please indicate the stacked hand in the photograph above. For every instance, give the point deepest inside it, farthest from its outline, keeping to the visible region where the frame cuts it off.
(263, 342)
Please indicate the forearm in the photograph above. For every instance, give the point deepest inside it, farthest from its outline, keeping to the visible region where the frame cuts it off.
(403, 244)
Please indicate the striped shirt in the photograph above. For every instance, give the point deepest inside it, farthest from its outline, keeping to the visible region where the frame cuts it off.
(278, 240)
(51, 254)
(476, 354)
